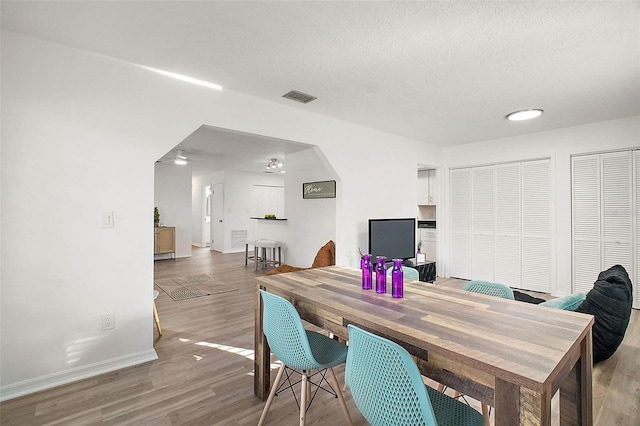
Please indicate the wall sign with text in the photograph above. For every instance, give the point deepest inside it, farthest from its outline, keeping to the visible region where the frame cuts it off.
(324, 189)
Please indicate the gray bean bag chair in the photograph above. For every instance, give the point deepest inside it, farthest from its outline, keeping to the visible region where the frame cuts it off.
(609, 301)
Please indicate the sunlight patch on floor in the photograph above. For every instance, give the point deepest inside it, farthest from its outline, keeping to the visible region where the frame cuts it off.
(247, 353)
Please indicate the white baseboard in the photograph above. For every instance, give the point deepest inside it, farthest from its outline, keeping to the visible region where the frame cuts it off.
(235, 250)
(74, 374)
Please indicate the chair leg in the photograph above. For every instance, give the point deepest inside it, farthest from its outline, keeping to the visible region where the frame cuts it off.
(485, 407)
(274, 387)
(303, 398)
(441, 389)
(336, 386)
(156, 318)
(485, 414)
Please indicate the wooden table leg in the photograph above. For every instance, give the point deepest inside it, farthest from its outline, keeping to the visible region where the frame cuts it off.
(521, 406)
(507, 403)
(261, 355)
(576, 391)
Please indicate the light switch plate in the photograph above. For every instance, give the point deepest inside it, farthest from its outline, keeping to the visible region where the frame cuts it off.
(107, 219)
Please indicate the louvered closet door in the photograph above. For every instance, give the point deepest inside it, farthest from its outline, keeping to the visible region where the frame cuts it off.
(617, 223)
(536, 226)
(507, 225)
(483, 224)
(585, 202)
(636, 276)
(460, 248)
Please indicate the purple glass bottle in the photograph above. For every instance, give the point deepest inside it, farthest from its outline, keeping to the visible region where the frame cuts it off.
(397, 277)
(381, 274)
(366, 271)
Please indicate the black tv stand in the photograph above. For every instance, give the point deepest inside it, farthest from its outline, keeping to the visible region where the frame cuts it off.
(427, 271)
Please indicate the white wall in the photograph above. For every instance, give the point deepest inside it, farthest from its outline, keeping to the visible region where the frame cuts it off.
(238, 201)
(80, 135)
(172, 196)
(558, 145)
(310, 222)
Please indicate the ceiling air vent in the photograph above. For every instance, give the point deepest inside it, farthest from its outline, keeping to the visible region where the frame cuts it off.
(294, 95)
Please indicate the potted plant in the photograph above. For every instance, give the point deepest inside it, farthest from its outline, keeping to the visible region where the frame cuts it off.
(156, 216)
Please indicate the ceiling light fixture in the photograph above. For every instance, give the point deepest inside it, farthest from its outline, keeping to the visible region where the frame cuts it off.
(525, 114)
(274, 163)
(181, 159)
(184, 78)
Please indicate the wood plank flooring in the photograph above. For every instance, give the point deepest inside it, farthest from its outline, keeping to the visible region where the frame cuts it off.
(204, 372)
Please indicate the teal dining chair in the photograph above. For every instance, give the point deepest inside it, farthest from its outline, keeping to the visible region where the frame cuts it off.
(388, 389)
(408, 273)
(302, 351)
(490, 289)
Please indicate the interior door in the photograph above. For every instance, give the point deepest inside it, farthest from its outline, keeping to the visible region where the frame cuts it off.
(206, 216)
(217, 210)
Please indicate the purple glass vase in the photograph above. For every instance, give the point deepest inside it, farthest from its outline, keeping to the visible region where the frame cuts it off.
(397, 277)
(381, 274)
(366, 271)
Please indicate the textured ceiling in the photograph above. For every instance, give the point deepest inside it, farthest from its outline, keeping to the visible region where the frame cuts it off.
(442, 72)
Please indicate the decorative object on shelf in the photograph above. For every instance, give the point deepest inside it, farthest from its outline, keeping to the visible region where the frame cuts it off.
(323, 189)
(367, 271)
(419, 246)
(269, 216)
(397, 277)
(156, 216)
(421, 257)
(381, 274)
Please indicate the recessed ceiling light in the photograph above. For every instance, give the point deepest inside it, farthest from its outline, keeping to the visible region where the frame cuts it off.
(525, 114)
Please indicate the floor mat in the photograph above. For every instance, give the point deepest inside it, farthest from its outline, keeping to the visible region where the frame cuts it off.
(192, 286)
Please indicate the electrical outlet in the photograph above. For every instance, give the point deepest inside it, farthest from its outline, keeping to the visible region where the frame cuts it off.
(108, 321)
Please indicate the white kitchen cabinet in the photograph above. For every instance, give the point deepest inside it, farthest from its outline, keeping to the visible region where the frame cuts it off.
(429, 242)
(426, 187)
(268, 200)
(432, 188)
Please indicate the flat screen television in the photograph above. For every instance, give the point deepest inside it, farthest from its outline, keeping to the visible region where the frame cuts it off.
(392, 238)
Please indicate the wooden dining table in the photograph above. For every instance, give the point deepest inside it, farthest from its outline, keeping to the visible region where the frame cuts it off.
(511, 355)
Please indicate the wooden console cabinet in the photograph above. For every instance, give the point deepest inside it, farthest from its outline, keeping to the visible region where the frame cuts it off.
(164, 241)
